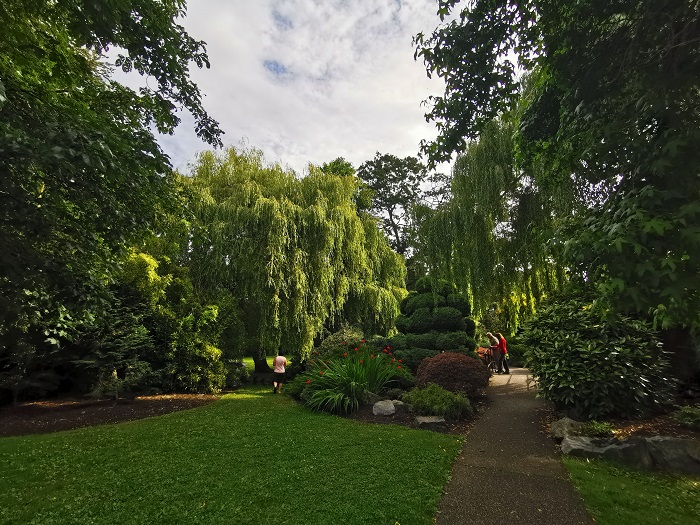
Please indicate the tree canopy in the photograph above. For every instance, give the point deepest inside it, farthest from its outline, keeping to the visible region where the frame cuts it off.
(293, 251)
(623, 123)
(395, 185)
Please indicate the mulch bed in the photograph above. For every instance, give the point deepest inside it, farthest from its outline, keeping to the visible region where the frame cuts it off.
(42, 417)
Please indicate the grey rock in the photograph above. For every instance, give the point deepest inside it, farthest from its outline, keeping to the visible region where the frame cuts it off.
(633, 452)
(383, 408)
(370, 398)
(675, 454)
(565, 427)
(430, 422)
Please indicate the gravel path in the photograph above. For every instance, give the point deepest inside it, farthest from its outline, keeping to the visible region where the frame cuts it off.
(509, 469)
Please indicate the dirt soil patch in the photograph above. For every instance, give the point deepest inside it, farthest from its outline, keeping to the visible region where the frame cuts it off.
(41, 417)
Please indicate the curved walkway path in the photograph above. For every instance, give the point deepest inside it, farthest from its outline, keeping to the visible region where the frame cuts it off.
(509, 469)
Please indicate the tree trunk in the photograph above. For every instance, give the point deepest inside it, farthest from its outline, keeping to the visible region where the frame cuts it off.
(260, 360)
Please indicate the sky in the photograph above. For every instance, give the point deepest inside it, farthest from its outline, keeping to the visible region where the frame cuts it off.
(307, 81)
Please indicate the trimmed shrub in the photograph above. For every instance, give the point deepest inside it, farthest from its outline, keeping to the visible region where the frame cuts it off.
(403, 323)
(470, 327)
(423, 300)
(426, 340)
(413, 357)
(460, 302)
(457, 373)
(435, 400)
(593, 369)
(421, 321)
(402, 306)
(399, 342)
(448, 319)
(451, 341)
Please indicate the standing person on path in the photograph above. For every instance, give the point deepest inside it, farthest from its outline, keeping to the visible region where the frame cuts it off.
(278, 363)
(494, 347)
(502, 351)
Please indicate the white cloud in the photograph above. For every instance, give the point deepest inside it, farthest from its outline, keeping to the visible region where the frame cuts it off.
(311, 80)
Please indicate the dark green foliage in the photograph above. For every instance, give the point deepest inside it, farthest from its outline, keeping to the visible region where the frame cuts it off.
(338, 343)
(688, 416)
(453, 342)
(236, 374)
(422, 300)
(460, 302)
(403, 323)
(454, 372)
(426, 340)
(448, 319)
(471, 326)
(413, 357)
(516, 351)
(594, 369)
(435, 400)
(429, 326)
(421, 321)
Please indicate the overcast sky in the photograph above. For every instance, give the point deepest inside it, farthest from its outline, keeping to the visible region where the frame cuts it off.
(308, 81)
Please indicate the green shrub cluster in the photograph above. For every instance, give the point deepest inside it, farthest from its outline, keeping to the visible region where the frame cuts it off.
(433, 320)
(454, 372)
(435, 400)
(595, 369)
(688, 416)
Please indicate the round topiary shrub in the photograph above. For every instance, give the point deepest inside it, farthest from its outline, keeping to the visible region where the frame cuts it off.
(451, 341)
(423, 300)
(421, 321)
(460, 302)
(454, 372)
(447, 318)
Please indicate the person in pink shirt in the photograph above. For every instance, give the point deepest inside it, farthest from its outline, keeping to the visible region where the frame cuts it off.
(278, 363)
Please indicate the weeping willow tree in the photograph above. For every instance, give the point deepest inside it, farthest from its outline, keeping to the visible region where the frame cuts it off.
(493, 237)
(294, 253)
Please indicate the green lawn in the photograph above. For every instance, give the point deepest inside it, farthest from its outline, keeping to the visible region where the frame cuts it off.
(251, 458)
(620, 496)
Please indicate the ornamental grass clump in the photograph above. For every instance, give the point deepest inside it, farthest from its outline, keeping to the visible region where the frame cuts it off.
(338, 385)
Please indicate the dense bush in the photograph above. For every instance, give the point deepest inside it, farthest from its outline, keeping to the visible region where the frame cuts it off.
(595, 369)
(435, 400)
(454, 372)
(337, 343)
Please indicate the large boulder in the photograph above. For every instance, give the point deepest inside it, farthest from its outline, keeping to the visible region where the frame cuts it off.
(675, 454)
(383, 408)
(632, 452)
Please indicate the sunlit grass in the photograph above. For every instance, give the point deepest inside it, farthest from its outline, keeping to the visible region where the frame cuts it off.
(621, 496)
(251, 458)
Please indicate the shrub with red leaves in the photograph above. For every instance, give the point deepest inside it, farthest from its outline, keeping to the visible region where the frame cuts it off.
(454, 372)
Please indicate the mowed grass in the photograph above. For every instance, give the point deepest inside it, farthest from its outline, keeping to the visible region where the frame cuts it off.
(250, 458)
(617, 495)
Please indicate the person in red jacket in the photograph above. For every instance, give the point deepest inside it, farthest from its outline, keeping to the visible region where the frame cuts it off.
(502, 351)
